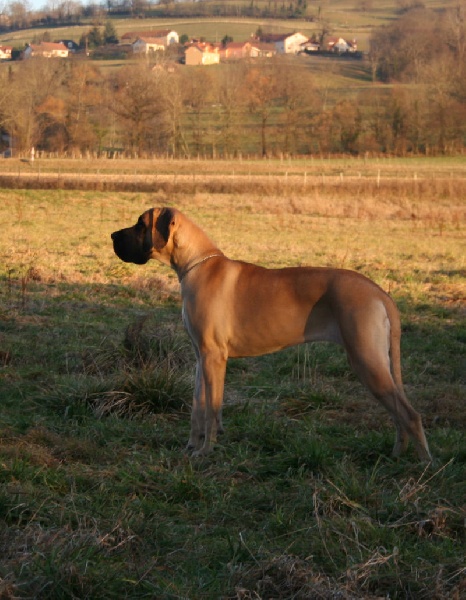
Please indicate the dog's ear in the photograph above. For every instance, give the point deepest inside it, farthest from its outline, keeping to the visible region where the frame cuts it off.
(147, 243)
(161, 227)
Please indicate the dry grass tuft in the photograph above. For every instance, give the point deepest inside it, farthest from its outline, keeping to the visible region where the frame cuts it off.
(286, 576)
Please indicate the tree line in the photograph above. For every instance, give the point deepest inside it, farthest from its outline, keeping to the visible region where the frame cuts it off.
(67, 12)
(93, 38)
(268, 107)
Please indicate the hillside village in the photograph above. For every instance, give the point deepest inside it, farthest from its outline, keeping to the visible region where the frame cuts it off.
(169, 98)
(194, 52)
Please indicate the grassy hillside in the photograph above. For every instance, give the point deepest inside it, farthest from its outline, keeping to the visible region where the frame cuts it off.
(344, 17)
(300, 498)
(212, 29)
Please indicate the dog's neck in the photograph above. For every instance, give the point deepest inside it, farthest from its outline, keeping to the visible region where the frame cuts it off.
(191, 249)
(183, 272)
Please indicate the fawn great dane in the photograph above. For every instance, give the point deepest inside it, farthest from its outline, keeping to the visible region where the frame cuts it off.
(237, 309)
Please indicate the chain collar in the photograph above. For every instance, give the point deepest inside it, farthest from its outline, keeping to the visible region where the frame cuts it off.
(199, 262)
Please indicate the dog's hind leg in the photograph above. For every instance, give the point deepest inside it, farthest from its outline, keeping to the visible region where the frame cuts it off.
(378, 380)
(407, 421)
(368, 342)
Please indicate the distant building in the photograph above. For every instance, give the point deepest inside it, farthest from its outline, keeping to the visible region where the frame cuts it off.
(146, 45)
(235, 50)
(262, 50)
(310, 46)
(202, 54)
(285, 43)
(47, 50)
(340, 45)
(167, 37)
(5, 52)
(70, 44)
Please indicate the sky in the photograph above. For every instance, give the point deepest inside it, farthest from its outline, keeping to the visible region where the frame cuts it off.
(36, 4)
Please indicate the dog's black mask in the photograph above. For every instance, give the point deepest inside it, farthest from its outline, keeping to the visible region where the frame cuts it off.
(134, 244)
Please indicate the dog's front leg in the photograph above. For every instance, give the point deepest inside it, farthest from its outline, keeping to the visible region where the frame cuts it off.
(213, 367)
(196, 437)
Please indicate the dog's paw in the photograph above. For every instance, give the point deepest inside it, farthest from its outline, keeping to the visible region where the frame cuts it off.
(195, 443)
(204, 451)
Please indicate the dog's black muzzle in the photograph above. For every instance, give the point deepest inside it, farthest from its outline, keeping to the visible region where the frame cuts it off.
(129, 247)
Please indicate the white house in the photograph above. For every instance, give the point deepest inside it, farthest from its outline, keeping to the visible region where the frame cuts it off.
(167, 37)
(293, 43)
(285, 43)
(47, 50)
(340, 45)
(145, 45)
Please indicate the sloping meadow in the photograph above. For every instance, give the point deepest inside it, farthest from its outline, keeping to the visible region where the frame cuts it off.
(300, 498)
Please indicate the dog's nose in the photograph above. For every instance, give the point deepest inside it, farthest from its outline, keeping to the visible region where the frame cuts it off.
(113, 235)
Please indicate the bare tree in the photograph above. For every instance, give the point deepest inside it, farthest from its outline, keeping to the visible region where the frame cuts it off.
(138, 105)
(260, 89)
(170, 85)
(37, 82)
(445, 110)
(295, 95)
(83, 94)
(455, 27)
(230, 103)
(19, 14)
(198, 85)
(400, 50)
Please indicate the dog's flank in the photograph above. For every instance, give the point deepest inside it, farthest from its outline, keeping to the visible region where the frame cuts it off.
(237, 309)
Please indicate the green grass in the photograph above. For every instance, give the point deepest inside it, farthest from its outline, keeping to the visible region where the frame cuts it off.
(300, 498)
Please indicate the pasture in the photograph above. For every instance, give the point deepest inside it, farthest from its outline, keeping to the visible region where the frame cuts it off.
(301, 498)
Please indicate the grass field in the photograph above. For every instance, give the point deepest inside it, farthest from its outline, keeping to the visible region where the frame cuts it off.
(300, 498)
